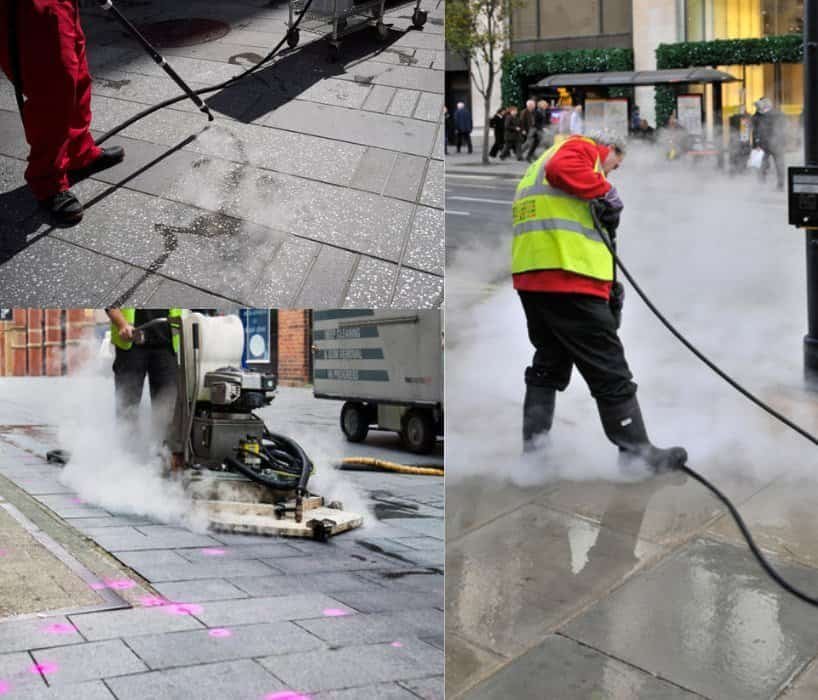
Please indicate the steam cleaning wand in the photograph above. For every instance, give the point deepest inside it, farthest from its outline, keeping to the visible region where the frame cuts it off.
(745, 532)
(108, 6)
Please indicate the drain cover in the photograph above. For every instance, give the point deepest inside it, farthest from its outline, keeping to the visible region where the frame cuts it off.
(183, 32)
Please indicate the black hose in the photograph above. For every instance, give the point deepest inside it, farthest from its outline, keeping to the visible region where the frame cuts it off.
(263, 479)
(745, 532)
(203, 91)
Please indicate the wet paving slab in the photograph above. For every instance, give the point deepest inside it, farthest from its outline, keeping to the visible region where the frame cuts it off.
(708, 619)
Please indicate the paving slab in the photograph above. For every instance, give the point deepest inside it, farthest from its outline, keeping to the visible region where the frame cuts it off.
(372, 284)
(385, 691)
(386, 600)
(708, 619)
(111, 624)
(355, 665)
(124, 539)
(467, 664)
(161, 651)
(334, 562)
(512, 580)
(375, 628)
(287, 607)
(84, 662)
(417, 290)
(561, 668)
(21, 635)
(90, 690)
(17, 672)
(261, 586)
(426, 688)
(233, 679)
(199, 591)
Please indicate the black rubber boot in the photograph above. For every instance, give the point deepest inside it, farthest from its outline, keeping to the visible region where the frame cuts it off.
(538, 410)
(107, 159)
(64, 208)
(624, 426)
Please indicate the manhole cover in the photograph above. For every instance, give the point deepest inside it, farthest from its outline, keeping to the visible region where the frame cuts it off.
(183, 32)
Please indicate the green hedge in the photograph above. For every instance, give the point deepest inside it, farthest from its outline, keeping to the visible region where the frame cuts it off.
(519, 71)
(722, 52)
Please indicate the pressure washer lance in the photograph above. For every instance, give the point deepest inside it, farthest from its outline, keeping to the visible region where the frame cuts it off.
(108, 6)
(745, 532)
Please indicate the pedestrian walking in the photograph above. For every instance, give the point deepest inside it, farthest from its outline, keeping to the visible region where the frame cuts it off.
(535, 132)
(769, 136)
(498, 127)
(511, 132)
(462, 126)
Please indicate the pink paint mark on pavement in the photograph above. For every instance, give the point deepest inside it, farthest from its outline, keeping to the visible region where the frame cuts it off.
(397, 645)
(60, 628)
(97, 585)
(183, 609)
(3, 552)
(121, 584)
(152, 601)
(4, 688)
(77, 500)
(286, 695)
(334, 612)
(220, 632)
(213, 552)
(45, 668)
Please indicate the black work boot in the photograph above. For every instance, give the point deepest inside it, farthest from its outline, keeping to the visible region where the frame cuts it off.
(625, 428)
(107, 159)
(64, 208)
(538, 414)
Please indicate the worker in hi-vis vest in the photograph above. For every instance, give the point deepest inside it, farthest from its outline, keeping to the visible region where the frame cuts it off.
(564, 274)
(153, 357)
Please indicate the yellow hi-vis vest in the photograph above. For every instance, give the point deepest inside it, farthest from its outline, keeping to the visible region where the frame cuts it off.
(554, 230)
(130, 317)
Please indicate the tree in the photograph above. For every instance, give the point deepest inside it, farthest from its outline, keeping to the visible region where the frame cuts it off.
(477, 30)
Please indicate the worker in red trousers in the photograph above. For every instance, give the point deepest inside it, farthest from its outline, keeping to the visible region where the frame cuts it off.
(42, 52)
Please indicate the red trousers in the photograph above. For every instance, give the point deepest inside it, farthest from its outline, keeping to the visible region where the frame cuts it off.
(57, 89)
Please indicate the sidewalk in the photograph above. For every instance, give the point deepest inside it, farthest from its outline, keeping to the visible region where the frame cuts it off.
(229, 616)
(465, 163)
(319, 183)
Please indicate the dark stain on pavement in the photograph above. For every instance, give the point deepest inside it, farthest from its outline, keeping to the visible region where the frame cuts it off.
(405, 59)
(113, 84)
(248, 56)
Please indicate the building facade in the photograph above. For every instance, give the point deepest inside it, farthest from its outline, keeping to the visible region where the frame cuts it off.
(55, 342)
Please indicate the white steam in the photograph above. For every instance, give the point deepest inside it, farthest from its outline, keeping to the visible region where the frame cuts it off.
(717, 257)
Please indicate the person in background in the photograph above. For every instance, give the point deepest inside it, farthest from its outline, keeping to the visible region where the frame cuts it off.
(769, 136)
(536, 134)
(527, 121)
(497, 126)
(577, 125)
(462, 126)
(636, 118)
(739, 141)
(447, 129)
(511, 132)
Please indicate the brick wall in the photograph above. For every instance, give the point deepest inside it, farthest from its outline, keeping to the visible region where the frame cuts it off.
(294, 347)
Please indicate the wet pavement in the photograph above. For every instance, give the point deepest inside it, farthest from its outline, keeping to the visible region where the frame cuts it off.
(319, 183)
(566, 580)
(223, 615)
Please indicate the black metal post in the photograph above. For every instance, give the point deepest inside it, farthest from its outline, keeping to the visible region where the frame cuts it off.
(811, 158)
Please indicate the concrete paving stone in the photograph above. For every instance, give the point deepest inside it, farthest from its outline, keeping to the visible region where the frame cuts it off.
(474, 501)
(561, 668)
(355, 666)
(426, 688)
(15, 670)
(374, 601)
(280, 283)
(124, 539)
(781, 519)
(403, 103)
(41, 486)
(407, 174)
(423, 580)
(206, 72)
(518, 576)
(376, 628)
(161, 651)
(171, 292)
(374, 170)
(426, 249)
(707, 618)
(397, 76)
(665, 510)
(426, 558)
(21, 635)
(365, 128)
(804, 686)
(65, 506)
(420, 542)
(16, 203)
(421, 40)
(371, 285)
(86, 662)
(199, 591)
(162, 572)
(379, 98)
(12, 139)
(341, 93)
(83, 524)
(234, 679)
(90, 690)
(335, 562)
(434, 185)
(425, 57)
(136, 287)
(287, 607)
(417, 290)
(111, 624)
(246, 540)
(327, 281)
(272, 549)
(428, 526)
(140, 559)
(331, 583)
(235, 53)
(382, 691)
(467, 664)
(29, 277)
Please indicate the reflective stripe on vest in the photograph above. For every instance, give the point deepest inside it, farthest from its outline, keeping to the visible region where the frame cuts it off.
(130, 316)
(554, 230)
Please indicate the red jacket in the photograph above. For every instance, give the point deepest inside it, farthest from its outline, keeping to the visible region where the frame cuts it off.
(571, 169)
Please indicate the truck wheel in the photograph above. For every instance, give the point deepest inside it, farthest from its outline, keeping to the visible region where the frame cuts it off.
(419, 433)
(354, 421)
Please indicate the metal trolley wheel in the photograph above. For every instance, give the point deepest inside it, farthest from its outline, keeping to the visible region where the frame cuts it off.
(419, 18)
